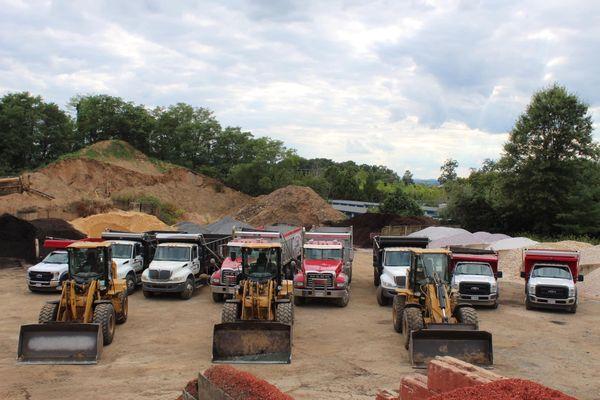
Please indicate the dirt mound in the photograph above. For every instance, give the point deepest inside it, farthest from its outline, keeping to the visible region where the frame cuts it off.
(368, 223)
(590, 287)
(17, 238)
(92, 175)
(294, 205)
(129, 221)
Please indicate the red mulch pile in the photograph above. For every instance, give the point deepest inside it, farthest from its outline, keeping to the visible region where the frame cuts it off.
(368, 223)
(505, 389)
(242, 385)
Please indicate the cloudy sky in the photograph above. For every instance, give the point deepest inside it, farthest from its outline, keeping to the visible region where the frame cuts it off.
(405, 84)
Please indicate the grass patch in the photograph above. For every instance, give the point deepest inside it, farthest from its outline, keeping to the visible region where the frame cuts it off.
(166, 212)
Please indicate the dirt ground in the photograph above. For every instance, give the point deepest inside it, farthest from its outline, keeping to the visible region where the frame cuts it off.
(339, 353)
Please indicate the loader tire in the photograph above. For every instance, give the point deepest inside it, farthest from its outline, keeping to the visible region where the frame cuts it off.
(412, 320)
(104, 314)
(397, 312)
(218, 297)
(131, 282)
(468, 315)
(48, 313)
(381, 299)
(229, 312)
(299, 300)
(124, 300)
(189, 289)
(285, 313)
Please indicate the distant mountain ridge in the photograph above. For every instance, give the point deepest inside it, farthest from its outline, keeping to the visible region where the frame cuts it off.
(426, 182)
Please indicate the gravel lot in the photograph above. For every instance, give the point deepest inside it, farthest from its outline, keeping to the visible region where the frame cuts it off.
(339, 353)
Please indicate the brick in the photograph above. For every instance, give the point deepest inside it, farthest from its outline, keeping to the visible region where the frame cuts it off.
(387, 395)
(448, 373)
(415, 387)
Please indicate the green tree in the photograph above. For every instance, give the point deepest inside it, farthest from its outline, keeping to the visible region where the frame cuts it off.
(448, 171)
(407, 178)
(399, 203)
(33, 132)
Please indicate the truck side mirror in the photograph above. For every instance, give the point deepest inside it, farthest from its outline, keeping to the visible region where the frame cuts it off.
(499, 274)
(522, 274)
(580, 278)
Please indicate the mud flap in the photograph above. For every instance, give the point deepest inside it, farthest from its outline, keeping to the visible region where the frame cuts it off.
(252, 342)
(60, 343)
(459, 341)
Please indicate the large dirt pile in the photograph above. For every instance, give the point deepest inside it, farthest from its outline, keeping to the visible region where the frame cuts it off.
(100, 175)
(294, 205)
(129, 221)
(366, 224)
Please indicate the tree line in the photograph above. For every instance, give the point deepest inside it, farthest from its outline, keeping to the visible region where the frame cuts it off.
(35, 132)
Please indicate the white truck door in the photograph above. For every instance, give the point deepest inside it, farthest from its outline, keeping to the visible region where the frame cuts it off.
(138, 261)
(195, 260)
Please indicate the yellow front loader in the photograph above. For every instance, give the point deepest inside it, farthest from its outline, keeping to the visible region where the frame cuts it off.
(257, 323)
(73, 329)
(430, 319)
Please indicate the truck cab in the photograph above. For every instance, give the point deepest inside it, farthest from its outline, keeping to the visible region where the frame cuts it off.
(474, 276)
(322, 273)
(551, 277)
(392, 259)
(223, 282)
(50, 273)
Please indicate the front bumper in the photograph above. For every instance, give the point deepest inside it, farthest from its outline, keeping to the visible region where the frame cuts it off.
(222, 289)
(163, 287)
(552, 303)
(388, 292)
(321, 293)
(44, 285)
(487, 300)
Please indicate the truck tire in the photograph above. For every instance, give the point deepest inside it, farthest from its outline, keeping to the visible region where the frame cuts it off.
(147, 294)
(412, 320)
(131, 282)
(104, 314)
(349, 276)
(467, 315)
(188, 290)
(397, 312)
(299, 300)
(229, 313)
(48, 313)
(218, 297)
(124, 300)
(573, 309)
(495, 305)
(376, 278)
(285, 313)
(381, 299)
(528, 305)
(344, 300)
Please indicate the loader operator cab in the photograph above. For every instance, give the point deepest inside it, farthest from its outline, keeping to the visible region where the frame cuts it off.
(427, 266)
(261, 263)
(89, 262)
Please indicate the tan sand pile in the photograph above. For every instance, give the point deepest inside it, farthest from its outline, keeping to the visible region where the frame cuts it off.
(102, 178)
(129, 221)
(294, 205)
(590, 287)
(510, 261)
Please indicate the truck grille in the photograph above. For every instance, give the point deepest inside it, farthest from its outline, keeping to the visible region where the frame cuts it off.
(552, 292)
(400, 281)
(474, 288)
(228, 277)
(320, 281)
(40, 276)
(159, 274)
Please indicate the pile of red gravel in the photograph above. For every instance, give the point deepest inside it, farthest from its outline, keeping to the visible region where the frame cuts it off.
(504, 389)
(243, 385)
(368, 223)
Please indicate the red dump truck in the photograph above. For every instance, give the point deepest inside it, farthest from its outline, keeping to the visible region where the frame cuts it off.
(223, 281)
(475, 276)
(326, 268)
(550, 277)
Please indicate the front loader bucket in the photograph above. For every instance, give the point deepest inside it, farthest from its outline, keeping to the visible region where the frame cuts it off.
(457, 341)
(252, 342)
(60, 343)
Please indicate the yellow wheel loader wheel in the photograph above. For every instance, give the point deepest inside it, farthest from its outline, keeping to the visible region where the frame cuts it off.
(412, 320)
(48, 313)
(229, 312)
(285, 313)
(397, 312)
(104, 314)
(468, 315)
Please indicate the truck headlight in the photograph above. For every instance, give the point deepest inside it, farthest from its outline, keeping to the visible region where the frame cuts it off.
(571, 292)
(531, 289)
(493, 287)
(455, 286)
(387, 285)
(56, 275)
(214, 280)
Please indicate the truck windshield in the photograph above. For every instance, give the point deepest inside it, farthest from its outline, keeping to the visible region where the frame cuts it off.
(260, 263)
(86, 263)
(120, 250)
(397, 259)
(172, 253)
(547, 271)
(56, 258)
(473, 269)
(323, 254)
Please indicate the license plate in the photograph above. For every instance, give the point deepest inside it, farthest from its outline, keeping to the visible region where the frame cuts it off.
(474, 297)
(38, 284)
(320, 293)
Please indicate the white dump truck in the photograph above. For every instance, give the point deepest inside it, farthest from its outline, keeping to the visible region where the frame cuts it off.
(182, 262)
(132, 252)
